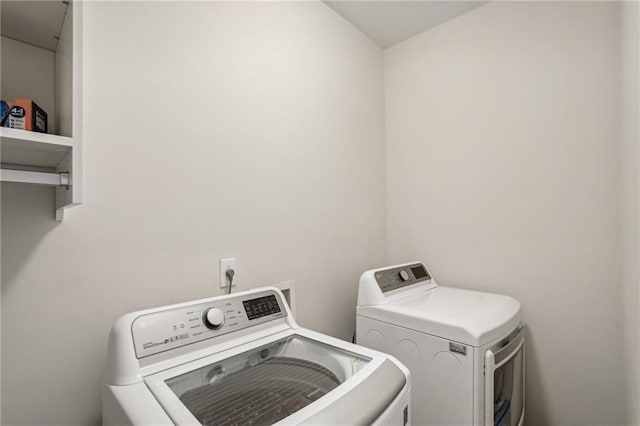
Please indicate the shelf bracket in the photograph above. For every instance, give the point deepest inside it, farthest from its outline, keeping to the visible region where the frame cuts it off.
(39, 178)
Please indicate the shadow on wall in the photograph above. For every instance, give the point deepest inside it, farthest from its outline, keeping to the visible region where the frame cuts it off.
(534, 381)
(24, 208)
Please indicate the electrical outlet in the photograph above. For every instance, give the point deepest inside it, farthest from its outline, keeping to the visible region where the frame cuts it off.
(229, 263)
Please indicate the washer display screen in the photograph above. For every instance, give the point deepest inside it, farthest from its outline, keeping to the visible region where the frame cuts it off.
(261, 307)
(419, 272)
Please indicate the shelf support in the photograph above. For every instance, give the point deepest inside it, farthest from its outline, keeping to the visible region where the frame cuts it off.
(39, 178)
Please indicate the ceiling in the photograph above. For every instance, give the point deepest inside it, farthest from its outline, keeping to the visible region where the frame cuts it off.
(33, 22)
(390, 22)
(386, 22)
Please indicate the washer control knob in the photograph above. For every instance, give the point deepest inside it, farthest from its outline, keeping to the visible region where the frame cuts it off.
(213, 318)
(404, 275)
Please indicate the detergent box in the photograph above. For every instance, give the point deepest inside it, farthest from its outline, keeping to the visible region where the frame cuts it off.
(25, 114)
(4, 111)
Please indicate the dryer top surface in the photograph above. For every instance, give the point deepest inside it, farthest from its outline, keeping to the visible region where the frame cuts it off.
(470, 317)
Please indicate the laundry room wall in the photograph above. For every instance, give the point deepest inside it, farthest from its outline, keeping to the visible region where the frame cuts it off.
(503, 175)
(630, 84)
(211, 130)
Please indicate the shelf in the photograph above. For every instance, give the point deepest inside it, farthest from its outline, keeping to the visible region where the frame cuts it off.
(42, 60)
(32, 149)
(38, 178)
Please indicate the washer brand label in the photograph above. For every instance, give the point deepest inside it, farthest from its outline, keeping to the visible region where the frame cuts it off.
(171, 339)
(458, 348)
(150, 345)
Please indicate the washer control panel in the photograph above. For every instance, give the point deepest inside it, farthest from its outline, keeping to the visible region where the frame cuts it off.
(395, 278)
(175, 327)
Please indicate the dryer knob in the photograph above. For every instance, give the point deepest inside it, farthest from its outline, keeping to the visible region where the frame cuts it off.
(404, 275)
(213, 318)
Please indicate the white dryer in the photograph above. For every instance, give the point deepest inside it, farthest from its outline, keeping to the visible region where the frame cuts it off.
(242, 359)
(465, 349)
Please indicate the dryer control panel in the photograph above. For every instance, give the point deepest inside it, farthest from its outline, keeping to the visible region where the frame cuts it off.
(175, 327)
(395, 278)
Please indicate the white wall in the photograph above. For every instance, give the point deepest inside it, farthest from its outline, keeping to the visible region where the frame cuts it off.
(503, 175)
(248, 130)
(630, 89)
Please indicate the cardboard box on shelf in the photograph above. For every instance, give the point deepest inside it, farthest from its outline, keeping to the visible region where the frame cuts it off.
(25, 114)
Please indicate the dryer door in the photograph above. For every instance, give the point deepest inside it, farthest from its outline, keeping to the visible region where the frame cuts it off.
(504, 382)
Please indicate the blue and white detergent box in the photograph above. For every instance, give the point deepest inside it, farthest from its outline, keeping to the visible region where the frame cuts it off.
(4, 113)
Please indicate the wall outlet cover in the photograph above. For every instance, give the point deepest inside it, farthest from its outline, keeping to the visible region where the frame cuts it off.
(228, 263)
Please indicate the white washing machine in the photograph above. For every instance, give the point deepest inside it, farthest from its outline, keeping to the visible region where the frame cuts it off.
(242, 359)
(465, 349)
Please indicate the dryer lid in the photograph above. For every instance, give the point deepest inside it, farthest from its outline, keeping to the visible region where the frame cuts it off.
(470, 317)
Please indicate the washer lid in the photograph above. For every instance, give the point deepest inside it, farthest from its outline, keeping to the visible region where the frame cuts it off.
(470, 317)
(294, 379)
